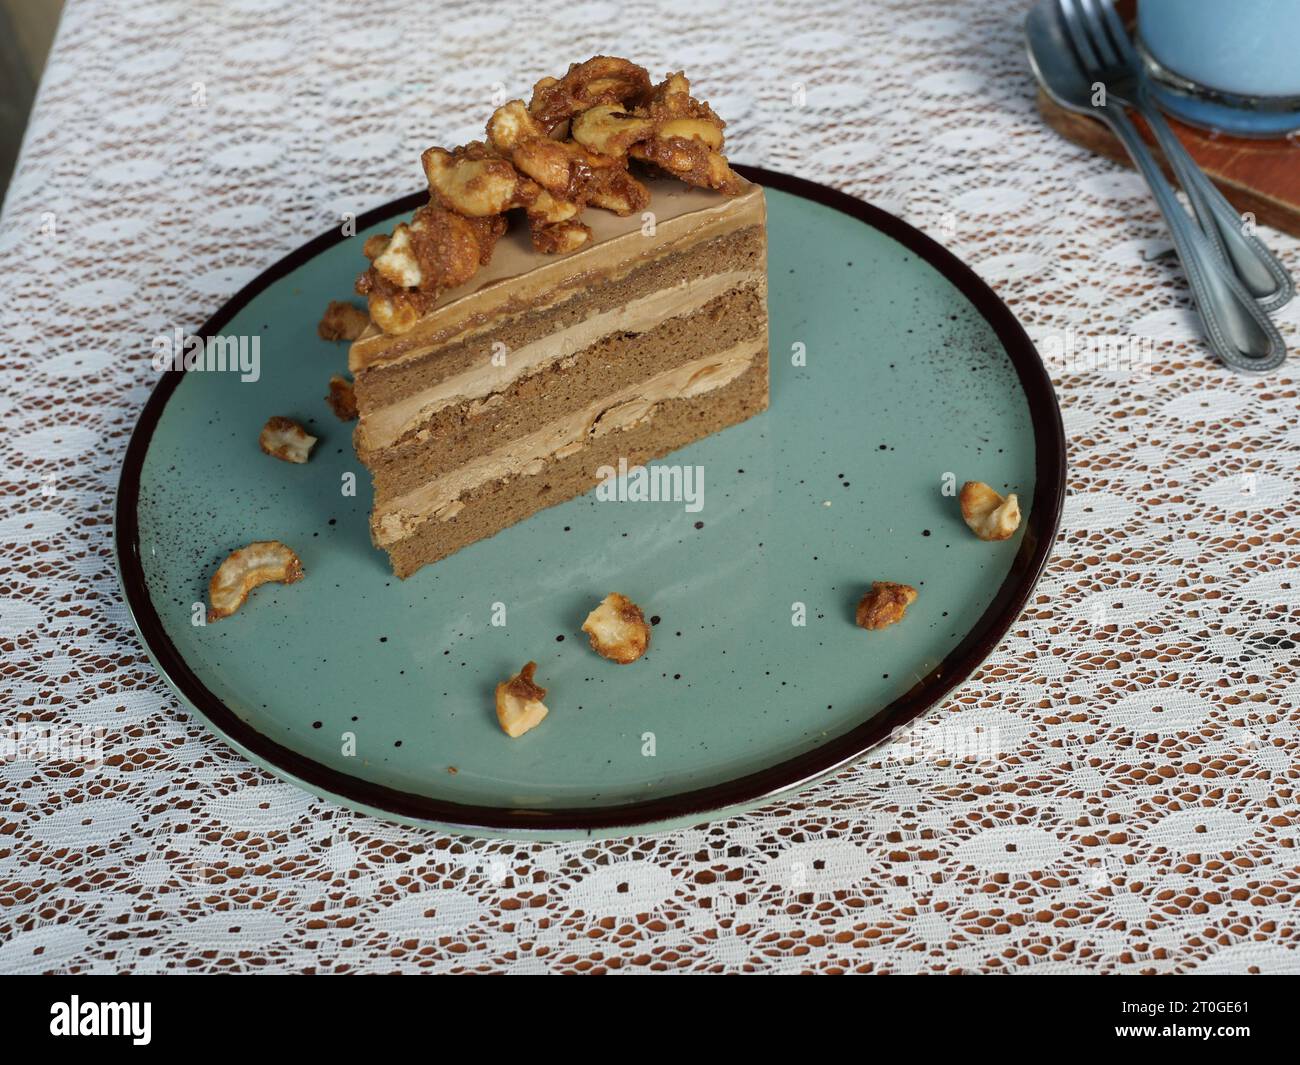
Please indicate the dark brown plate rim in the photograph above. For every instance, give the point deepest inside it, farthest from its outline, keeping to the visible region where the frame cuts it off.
(744, 791)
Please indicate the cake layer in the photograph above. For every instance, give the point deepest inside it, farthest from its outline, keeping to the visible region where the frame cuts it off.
(496, 502)
(465, 367)
(438, 500)
(518, 280)
(517, 387)
(456, 433)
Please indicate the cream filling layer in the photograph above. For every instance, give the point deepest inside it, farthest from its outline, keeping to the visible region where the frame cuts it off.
(566, 436)
(386, 425)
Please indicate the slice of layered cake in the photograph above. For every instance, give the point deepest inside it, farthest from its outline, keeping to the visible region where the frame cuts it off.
(510, 360)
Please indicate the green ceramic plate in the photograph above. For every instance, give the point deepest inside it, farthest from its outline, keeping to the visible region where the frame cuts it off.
(369, 689)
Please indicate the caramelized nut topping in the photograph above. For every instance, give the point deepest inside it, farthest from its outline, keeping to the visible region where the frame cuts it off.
(989, 515)
(885, 604)
(243, 570)
(617, 629)
(342, 399)
(342, 321)
(283, 438)
(567, 149)
(519, 703)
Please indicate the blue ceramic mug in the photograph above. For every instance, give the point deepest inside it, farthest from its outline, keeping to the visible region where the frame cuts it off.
(1228, 65)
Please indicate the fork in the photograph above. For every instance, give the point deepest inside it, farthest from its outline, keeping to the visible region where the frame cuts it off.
(1238, 330)
(1265, 278)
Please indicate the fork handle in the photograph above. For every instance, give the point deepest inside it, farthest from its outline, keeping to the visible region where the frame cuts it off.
(1263, 275)
(1237, 329)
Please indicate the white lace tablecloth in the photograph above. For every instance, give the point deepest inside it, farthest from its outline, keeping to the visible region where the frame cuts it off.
(1142, 814)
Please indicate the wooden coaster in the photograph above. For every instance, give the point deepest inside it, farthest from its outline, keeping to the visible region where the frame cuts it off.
(1259, 176)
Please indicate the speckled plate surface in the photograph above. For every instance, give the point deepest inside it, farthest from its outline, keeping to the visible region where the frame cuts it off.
(372, 690)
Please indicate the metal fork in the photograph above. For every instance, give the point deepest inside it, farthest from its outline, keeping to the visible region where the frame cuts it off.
(1237, 329)
(1260, 271)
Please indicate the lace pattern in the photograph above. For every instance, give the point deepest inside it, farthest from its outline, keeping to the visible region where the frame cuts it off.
(1142, 814)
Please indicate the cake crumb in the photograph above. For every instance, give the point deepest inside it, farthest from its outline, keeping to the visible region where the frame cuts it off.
(617, 629)
(988, 514)
(259, 563)
(884, 605)
(519, 703)
(283, 438)
(342, 399)
(342, 321)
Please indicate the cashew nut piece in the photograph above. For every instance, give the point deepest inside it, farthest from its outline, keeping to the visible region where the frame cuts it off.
(246, 569)
(989, 515)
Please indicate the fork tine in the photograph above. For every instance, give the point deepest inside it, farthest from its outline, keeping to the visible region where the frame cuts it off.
(1096, 28)
(1078, 36)
(1118, 33)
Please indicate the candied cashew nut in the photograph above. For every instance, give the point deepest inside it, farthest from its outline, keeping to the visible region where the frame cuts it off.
(519, 703)
(617, 629)
(608, 129)
(602, 79)
(342, 321)
(559, 238)
(438, 250)
(672, 96)
(688, 137)
(567, 170)
(989, 515)
(618, 191)
(699, 129)
(884, 605)
(397, 262)
(394, 316)
(511, 125)
(471, 182)
(283, 438)
(552, 222)
(258, 563)
(452, 245)
(540, 87)
(342, 398)
(546, 209)
(550, 163)
(691, 160)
